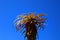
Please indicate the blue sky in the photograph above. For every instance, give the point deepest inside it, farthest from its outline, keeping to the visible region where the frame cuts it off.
(9, 9)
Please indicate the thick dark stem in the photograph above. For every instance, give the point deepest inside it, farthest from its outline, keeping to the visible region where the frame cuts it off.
(31, 32)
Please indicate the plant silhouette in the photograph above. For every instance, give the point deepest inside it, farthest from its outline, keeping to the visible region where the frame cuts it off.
(31, 23)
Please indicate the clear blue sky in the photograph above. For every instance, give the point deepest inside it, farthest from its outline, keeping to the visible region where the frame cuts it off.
(9, 9)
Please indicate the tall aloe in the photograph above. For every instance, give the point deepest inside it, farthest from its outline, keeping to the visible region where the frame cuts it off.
(31, 23)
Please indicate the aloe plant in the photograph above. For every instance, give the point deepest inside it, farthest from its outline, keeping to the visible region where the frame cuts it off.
(31, 23)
